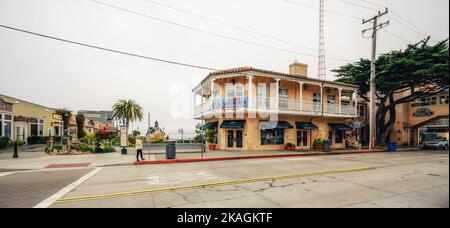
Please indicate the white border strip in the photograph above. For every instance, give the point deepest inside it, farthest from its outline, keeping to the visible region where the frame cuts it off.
(52, 199)
(5, 174)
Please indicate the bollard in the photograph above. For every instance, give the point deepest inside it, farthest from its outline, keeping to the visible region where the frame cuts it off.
(15, 155)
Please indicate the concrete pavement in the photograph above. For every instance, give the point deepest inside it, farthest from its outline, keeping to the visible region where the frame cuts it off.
(417, 179)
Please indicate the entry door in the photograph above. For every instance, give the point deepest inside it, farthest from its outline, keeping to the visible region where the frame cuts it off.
(230, 138)
(21, 133)
(302, 138)
(235, 139)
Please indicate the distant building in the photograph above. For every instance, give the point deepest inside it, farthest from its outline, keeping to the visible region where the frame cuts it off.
(104, 117)
(101, 122)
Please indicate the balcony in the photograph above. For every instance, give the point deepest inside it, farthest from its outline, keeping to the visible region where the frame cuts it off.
(267, 104)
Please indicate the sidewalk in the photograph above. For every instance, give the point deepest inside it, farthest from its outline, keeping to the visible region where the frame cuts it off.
(41, 160)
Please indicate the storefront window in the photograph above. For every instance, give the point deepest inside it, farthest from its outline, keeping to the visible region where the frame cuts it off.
(444, 99)
(8, 129)
(272, 137)
(34, 129)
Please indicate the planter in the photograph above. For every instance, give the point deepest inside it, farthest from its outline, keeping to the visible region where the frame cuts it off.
(212, 146)
(290, 148)
(320, 147)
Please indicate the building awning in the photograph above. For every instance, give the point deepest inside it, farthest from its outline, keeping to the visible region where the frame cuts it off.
(233, 124)
(340, 127)
(267, 125)
(306, 126)
(209, 125)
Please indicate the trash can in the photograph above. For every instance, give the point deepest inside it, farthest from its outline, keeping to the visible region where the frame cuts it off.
(392, 147)
(124, 150)
(171, 149)
(327, 146)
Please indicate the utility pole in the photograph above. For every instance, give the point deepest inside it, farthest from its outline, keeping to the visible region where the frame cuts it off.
(373, 89)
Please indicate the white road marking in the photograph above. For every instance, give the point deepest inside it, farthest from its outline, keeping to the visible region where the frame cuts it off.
(179, 177)
(5, 174)
(52, 199)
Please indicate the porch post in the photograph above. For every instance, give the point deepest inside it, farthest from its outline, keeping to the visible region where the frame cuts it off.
(356, 102)
(250, 90)
(321, 97)
(340, 101)
(301, 96)
(211, 96)
(277, 94)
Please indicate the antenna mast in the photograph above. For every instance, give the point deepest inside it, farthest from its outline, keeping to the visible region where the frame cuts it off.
(322, 66)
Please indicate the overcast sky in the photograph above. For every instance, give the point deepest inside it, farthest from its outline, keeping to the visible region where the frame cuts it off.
(58, 74)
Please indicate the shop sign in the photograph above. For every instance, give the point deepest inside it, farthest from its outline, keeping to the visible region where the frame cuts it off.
(32, 120)
(57, 117)
(56, 124)
(423, 112)
(5, 106)
(20, 119)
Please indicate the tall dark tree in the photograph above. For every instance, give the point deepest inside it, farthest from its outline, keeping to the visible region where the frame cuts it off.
(66, 115)
(419, 71)
(80, 118)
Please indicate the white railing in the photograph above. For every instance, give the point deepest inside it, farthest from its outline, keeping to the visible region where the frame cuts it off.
(270, 104)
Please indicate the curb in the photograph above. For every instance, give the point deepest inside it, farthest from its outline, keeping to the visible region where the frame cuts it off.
(191, 160)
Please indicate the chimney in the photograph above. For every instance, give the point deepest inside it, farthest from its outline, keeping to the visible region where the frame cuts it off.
(298, 69)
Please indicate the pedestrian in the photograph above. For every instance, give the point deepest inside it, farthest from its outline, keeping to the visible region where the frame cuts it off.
(139, 148)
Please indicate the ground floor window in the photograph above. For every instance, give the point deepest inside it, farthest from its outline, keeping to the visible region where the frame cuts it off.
(6, 125)
(41, 127)
(34, 130)
(272, 137)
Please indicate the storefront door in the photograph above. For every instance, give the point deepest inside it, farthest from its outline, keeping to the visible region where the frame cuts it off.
(21, 133)
(235, 139)
(302, 138)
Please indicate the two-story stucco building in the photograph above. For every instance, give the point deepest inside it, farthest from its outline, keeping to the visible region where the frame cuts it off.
(256, 109)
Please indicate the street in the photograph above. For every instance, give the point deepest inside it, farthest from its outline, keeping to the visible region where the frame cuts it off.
(404, 179)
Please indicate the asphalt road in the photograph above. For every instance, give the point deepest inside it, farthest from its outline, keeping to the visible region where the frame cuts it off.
(418, 179)
(406, 179)
(27, 189)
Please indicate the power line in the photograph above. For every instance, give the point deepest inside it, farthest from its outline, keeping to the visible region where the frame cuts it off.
(345, 15)
(228, 24)
(211, 33)
(408, 24)
(328, 11)
(108, 49)
(358, 5)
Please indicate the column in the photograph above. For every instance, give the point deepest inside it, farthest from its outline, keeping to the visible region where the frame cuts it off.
(301, 96)
(211, 96)
(250, 91)
(277, 94)
(321, 97)
(340, 101)
(356, 101)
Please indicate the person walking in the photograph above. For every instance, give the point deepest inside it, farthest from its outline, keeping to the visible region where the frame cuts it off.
(139, 147)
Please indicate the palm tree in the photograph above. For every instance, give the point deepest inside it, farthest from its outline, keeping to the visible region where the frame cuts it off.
(128, 111)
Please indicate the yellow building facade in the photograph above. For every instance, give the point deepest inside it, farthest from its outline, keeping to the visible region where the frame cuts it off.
(255, 109)
(22, 119)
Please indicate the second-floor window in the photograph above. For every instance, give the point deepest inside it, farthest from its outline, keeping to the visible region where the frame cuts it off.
(362, 110)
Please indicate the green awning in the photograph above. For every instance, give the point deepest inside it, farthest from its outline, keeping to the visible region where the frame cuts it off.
(233, 124)
(209, 125)
(340, 127)
(306, 126)
(267, 125)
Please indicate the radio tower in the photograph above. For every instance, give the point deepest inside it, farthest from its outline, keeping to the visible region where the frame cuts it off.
(322, 67)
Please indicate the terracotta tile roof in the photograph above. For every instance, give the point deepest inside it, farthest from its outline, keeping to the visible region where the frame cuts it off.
(252, 69)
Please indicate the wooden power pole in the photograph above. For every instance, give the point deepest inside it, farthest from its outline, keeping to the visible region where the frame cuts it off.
(373, 89)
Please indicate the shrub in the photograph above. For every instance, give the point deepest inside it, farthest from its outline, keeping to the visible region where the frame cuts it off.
(4, 142)
(115, 141)
(318, 142)
(87, 148)
(32, 140)
(290, 145)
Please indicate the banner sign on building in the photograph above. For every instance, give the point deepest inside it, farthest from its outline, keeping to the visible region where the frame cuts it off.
(5, 106)
(57, 117)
